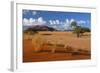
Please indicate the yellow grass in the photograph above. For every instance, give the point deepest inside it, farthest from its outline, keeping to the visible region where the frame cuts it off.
(64, 38)
(54, 41)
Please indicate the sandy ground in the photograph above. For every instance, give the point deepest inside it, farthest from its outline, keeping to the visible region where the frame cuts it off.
(68, 38)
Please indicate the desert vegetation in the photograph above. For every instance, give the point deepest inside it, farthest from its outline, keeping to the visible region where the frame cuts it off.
(42, 43)
(79, 30)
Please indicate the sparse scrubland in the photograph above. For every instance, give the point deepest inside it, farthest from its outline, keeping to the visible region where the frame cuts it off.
(55, 45)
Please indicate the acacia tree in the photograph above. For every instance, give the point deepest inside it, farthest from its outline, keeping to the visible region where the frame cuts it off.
(79, 30)
(76, 28)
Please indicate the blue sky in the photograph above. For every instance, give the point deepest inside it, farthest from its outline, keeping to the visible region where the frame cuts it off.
(59, 20)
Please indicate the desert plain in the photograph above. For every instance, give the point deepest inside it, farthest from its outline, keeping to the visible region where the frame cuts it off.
(56, 46)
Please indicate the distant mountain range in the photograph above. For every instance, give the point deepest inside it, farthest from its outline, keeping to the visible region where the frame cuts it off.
(39, 28)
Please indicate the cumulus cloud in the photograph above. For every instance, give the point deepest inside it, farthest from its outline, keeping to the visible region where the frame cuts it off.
(57, 21)
(26, 22)
(50, 22)
(54, 22)
(62, 25)
(32, 22)
(81, 22)
(67, 21)
(72, 20)
(34, 12)
(40, 20)
(25, 11)
(67, 24)
(55, 26)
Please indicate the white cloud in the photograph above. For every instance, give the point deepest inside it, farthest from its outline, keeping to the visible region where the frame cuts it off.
(25, 11)
(67, 21)
(54, 22)
(34, 12)
(64, 25)
(67, 24)
(26, 22)
(51, 22)
(41, 21)
(72, 20)
(78, 21)
(31, 21)
(81, 22)
(59, 24)
(62, 22)
(57, 21)
(88, 21)
(55, 26)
